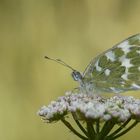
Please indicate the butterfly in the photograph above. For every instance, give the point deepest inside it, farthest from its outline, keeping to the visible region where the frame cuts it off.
(114, 71)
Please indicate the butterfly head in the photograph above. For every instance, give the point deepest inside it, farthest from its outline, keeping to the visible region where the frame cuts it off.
(76, 75)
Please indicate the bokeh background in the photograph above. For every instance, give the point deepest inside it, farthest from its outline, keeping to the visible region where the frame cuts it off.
(73, 30)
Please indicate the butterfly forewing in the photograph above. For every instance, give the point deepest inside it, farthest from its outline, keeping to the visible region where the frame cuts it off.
(117, 69)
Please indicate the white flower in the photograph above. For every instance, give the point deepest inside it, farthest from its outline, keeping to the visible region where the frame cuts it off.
(87, 106)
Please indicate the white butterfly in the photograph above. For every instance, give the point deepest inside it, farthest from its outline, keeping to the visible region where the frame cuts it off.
(115, 70)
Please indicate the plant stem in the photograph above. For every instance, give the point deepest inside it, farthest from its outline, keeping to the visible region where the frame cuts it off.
(106, 129)
(91, 131)
(125, 131)
(80, 126)
(120, 128)
(97, 126)
(67, 124)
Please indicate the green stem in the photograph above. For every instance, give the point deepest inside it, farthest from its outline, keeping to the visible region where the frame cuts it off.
(120, 128)
(106, 129)
(97, 126)
(67, 124)
(80, 126)
(91, 131)
(125, 131)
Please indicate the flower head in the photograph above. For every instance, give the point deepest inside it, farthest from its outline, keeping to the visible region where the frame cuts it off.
(94, 110)
(84, 106)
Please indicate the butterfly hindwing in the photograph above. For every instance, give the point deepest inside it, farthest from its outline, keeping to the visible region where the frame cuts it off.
(117, 69)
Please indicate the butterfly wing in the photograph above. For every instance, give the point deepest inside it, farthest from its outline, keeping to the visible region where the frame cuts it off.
(117, 69)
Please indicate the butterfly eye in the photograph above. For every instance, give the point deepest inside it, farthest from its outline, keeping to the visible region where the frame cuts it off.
(76, 75)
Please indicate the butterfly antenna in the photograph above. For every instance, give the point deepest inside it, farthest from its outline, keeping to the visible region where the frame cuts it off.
(60, 62)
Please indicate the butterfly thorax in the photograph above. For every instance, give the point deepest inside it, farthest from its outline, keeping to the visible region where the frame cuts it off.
(85, 84)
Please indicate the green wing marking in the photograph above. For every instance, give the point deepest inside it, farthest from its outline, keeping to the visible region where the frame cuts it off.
(117, 69)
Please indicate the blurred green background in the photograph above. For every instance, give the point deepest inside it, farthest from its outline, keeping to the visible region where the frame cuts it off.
(73, 30)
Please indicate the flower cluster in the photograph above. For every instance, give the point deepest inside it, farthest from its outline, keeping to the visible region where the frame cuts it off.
(93, 107)
(94, 110)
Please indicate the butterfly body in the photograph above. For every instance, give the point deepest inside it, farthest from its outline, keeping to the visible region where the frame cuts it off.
(115, 70)
(85, 85)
